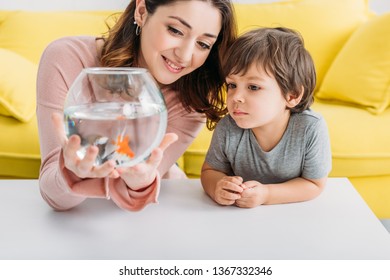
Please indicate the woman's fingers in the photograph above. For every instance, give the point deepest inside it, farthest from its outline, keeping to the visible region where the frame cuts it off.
(106, 169)
(70, 148)
(86, 165)
(81, 167)
(155, 158)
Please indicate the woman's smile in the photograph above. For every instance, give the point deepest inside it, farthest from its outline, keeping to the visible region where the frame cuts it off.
(173, 67)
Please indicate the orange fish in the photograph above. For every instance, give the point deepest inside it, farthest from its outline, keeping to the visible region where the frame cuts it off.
(123, 146)
(121, 118)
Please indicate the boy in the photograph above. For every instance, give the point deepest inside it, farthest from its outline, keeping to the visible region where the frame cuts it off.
(270, 148)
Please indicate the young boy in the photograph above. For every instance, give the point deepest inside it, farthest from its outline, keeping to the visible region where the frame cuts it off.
(270, 148)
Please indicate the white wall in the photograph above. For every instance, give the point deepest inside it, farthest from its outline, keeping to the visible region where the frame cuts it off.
(379, 6)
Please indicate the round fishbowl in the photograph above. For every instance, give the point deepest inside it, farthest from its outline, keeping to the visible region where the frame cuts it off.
(119, 110)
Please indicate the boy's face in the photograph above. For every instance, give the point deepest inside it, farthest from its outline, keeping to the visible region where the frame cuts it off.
(255, 100)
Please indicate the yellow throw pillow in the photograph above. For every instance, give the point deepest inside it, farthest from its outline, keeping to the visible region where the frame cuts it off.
(17, 86)
(324, 24)
(360, 74)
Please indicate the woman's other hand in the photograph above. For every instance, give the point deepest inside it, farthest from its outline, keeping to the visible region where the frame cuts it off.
(82, 168)
(143, 174)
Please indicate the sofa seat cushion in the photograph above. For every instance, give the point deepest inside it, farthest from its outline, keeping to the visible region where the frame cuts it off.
(359, 140)
(19, 148)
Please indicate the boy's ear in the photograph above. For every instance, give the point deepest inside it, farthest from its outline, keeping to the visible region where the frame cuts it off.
(293, 99)
(140, 12)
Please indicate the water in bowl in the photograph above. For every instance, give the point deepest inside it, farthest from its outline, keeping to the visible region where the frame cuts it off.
(123, 132)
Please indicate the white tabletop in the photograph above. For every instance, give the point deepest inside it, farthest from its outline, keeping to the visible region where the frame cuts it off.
(187, 224)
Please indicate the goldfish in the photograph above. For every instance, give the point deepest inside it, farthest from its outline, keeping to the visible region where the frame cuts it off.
(121, 117)
(123, 146)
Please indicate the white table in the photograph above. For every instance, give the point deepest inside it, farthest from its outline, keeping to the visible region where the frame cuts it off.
(187, 224)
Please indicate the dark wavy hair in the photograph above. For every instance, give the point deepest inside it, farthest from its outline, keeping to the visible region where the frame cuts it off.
(200, 90)
(279, 51)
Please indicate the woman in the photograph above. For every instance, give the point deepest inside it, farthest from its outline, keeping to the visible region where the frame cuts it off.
(181, 50)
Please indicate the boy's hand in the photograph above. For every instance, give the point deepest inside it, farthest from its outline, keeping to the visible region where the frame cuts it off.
(228, 190)
(254, 194)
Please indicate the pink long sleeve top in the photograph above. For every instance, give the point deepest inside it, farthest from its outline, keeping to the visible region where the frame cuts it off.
(61, 63)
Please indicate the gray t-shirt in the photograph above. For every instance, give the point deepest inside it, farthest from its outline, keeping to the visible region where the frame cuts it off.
(304, 151)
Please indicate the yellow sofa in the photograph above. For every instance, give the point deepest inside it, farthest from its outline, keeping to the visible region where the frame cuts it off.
(349, 45)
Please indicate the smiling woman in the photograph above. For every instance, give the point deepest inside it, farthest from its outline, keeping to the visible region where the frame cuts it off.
(180, 50)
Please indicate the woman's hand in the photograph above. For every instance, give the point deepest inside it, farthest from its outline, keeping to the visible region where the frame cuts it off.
(82, 168)
(143, 174)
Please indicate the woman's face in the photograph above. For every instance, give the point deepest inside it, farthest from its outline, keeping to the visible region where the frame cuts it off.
(177, 38)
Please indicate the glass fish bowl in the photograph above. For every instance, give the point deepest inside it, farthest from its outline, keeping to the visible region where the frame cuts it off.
(119, 110)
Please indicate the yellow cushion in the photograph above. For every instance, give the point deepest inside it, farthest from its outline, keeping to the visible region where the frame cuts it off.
(28, 33)
(359, 140)
(325, 25)
(17, 86)
(361, 72)
(19, 148)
